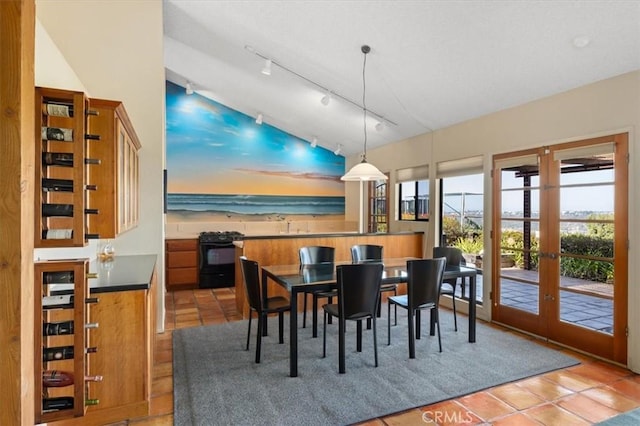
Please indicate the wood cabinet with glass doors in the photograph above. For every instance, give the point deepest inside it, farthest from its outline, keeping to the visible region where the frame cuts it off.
(117, 177)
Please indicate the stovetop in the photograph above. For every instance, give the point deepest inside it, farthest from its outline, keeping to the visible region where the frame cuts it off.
(220, 236)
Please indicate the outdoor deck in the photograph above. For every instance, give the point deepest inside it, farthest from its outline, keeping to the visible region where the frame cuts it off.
(582, 302)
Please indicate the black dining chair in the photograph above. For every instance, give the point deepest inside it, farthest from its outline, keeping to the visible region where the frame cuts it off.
(424, 277)
(358, 294)
(361, 253)
(312, 255)
(454, 257)
(276, 304)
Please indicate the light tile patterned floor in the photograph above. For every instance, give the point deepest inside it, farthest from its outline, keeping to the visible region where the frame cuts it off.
(580, 395)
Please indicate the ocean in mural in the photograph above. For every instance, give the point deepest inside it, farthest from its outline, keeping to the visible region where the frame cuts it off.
(256, 204)
(221, 163)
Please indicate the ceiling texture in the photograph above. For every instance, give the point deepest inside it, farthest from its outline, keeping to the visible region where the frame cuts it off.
(432, 63)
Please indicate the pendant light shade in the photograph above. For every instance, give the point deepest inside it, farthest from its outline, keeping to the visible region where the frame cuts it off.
(364, 171)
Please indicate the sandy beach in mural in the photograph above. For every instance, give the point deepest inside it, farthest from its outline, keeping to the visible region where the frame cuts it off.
(193, 216)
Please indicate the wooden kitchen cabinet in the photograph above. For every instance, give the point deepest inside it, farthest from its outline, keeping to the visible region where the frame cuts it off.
(181, 264)
(117, 176)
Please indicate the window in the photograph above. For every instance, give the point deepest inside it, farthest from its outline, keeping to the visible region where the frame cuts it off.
(414, 200)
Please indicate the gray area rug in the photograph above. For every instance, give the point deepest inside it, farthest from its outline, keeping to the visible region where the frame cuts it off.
(631, 418)
(216, 381)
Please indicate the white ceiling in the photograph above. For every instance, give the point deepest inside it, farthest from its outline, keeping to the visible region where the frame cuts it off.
(432, 63)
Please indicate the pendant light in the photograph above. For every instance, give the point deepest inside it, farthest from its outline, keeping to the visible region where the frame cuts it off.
(364, 171)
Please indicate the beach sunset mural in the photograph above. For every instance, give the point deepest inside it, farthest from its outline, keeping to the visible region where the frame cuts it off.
(222, 165)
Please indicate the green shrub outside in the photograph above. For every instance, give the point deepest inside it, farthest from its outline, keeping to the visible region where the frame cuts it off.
(597, 243)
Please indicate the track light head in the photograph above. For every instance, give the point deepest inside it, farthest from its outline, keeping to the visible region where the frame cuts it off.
(326, 99)
(380, 126)
(189, 88)
(314, 142)
(259, 118)
(267, 67)
(338, 150)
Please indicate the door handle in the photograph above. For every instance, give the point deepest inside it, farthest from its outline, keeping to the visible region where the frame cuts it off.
(553, 255)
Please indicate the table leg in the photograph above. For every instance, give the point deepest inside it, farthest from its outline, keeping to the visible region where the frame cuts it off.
(293, 335)
(472, 309)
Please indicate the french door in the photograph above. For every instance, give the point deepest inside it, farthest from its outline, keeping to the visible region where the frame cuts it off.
(559, 243)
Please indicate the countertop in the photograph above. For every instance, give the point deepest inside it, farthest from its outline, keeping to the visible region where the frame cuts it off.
(123, 273)
(298, 235)
(328, 234)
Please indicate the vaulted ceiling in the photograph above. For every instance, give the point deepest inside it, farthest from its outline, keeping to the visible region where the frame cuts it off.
(432, 63)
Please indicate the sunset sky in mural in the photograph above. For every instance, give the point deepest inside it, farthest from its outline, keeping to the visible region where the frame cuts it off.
(212, 149)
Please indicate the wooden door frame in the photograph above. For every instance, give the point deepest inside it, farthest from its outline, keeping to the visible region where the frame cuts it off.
(599, 344)
(17, 44)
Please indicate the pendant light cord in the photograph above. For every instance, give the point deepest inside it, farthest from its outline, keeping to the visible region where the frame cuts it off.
(364, 104)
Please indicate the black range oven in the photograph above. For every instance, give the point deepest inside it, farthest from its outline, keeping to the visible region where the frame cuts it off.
(217, 258)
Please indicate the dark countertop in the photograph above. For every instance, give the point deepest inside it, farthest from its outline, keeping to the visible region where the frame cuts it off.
(123, 273)
(333, 234)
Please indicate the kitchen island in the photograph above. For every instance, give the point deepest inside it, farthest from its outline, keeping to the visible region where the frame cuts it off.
(283, 249)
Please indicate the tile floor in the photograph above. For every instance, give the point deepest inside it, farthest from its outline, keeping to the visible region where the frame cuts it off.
(581, 395)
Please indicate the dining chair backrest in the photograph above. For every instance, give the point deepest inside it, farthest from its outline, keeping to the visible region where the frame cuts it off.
(310, 255)
(358, 289)
(453, 255)
(424, 277)
(366, 252)
(251, 277)
(317, 272)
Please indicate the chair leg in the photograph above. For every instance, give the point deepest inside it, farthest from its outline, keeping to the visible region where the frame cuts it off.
(249, 330)
(261, 319)
(304, 310)
(412, 336)
(438, 325)
(330, 320)
(375, 341)
(324, 335)
(341, 344)
(455, 316)
(418, 321)
(389, 322)
(359, 336)
(281, 327)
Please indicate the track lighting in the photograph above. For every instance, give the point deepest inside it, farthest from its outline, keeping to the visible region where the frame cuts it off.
(314, 142)
(380, 126)
(338, 150)
(259, 118)
(189, 89)
(326, 99)
(267, 67)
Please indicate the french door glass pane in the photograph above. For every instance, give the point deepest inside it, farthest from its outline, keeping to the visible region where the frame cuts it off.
(519, 235)
(586, 241)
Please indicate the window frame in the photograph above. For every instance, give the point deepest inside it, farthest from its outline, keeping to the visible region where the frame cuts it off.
(416, 201)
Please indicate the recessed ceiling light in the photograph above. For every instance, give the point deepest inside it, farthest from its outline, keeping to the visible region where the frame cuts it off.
(581, 41)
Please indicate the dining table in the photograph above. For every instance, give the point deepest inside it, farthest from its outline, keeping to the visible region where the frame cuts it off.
(322, 276)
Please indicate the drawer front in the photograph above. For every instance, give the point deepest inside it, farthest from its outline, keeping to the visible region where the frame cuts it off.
(182, 276)
(182, 259)
(182, 245)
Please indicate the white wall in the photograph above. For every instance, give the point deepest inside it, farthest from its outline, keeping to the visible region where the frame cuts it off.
(606, 107)
(115, 50)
